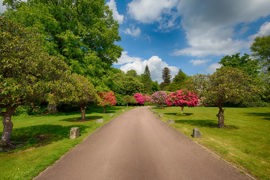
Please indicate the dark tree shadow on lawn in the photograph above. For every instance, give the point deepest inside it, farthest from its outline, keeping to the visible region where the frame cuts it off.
(78, 119)
(265, 116)
(179, 114)
(204, 123)
(40, 135)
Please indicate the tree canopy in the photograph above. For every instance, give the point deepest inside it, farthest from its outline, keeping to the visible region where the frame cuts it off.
(229, 84)
(245, 63)
(26, 71)
(261, 51)
(82, 32)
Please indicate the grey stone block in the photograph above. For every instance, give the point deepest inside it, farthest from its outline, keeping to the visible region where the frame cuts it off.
(74, 132)
(196, 133)
(99, 120)
(170, 121)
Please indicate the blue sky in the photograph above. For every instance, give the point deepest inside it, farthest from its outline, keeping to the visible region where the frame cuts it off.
(186, 34)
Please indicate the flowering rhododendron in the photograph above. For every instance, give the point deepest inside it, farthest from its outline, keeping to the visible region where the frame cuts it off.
(107, 99)
(159, 98)
(140, 99)
(182, 98)
(147, 98)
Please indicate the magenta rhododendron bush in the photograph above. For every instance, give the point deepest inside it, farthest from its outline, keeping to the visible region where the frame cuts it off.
(182, 98)
(140, 98)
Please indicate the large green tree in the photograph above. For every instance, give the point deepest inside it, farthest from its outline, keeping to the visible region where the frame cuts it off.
(229, 85)
(26, 70)
(245, 63)
(83, 32)
(83, 92)
(261, 51)
(122, 83)
(178, 82)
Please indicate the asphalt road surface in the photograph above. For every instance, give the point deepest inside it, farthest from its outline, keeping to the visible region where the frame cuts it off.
(138, 146)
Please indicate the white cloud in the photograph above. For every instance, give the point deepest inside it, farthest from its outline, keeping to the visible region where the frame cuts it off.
(213, 67)
(2, 8)
(155, 64)
(149, 11)
(198, 62)
(264, 31)
(133, 31)
(125, 58)
(118, 17)
(210, 26)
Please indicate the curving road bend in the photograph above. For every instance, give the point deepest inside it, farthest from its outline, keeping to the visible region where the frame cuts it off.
(138, 146)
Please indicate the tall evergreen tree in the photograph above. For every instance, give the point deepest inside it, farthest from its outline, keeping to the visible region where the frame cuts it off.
(146, 80)
(166, 76)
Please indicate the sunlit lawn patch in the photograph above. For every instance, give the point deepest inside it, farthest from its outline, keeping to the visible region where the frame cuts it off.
(245, 140)
(41, 140)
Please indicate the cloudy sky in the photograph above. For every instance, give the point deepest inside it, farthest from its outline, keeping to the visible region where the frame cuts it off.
(186, 34)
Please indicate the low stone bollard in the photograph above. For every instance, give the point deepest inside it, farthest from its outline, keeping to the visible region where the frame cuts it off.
(99, 120)
(170, 121)
(74, 132)
(196, 133)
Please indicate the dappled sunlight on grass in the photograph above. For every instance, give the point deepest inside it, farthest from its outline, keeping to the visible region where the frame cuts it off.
(42, 139)
(245, 140)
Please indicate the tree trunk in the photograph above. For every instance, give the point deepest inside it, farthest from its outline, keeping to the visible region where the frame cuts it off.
(220, 116)
(7, 126)
(83, 108)
(182, 109)
(52, 108)
(104, 109)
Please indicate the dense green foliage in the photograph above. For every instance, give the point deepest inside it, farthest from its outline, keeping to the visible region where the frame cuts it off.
(178, 82)
(229, 84)
(82, 32)
(261, 51)
(26, 71)
(245, 63)
(245, 141)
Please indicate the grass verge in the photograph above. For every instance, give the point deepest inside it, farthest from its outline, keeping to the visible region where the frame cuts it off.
(41, 140)
(245, 141)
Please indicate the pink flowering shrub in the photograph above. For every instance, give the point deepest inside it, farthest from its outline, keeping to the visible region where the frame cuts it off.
(147, 98)
(159, 98)
(182, 98)
(140, 99)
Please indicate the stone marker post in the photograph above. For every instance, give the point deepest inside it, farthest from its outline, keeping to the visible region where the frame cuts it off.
(74, 132)
(196, 133)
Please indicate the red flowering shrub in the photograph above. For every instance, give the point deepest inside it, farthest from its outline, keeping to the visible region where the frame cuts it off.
(182, 98)
(107, 99)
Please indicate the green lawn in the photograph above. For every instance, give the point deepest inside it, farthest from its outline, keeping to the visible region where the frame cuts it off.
(41, 140)
(245, 141)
